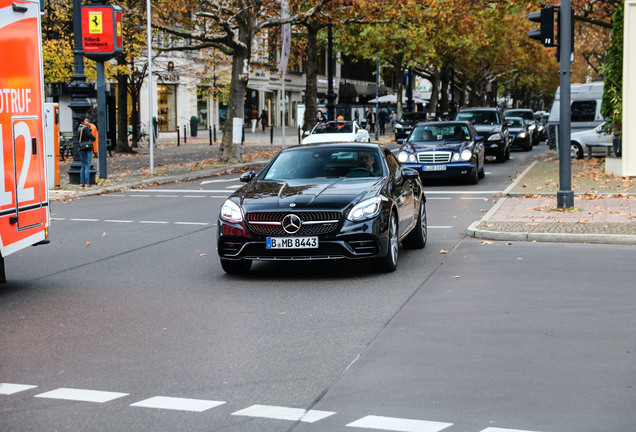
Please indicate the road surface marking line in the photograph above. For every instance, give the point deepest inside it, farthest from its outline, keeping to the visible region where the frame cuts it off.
(478, 192)
(194, 196)
(178, 404)
(440, 226)
(180, 191)
(9, 389)
(475, 198)
(283, 413)
(439, 198)
(219, 181)
(84, 220)
(82, 395)
(398, 424)
(492, 429)
(191, 223)
(154, 222)
(118, 221)
(167, 196)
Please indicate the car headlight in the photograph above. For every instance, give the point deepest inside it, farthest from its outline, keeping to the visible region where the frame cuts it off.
(367, 209)
(495, 137)
(466, 155)
(403, 156)
(522, 135)
(398, 126)
(231, 212)
(531, 127)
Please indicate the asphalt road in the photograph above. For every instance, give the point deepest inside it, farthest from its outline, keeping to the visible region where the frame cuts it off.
(126, 322)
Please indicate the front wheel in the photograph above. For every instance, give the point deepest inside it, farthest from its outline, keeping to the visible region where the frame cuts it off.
(417, 238)
(236, 266)
(388, 263)
(576, 150)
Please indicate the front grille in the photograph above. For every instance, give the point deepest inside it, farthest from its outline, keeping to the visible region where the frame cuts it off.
(434, 157)
(312, 223)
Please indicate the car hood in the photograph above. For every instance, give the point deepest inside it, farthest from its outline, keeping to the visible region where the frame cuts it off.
(489, 129)
(517, 130)
(329, 138)
(333, 194)
(454, 146)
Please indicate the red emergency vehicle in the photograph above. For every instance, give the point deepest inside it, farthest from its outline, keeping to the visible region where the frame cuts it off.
(24, 200)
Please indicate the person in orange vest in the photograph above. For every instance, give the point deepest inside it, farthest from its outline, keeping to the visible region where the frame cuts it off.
(96, 135)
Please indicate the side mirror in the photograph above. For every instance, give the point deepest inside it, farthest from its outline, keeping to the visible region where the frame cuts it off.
(305, 134)
(248, 176)
(479, 139)
(410, 173)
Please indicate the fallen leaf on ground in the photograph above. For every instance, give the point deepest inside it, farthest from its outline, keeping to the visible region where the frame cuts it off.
(443, 251)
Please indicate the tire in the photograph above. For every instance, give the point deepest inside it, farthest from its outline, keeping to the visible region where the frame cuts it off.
(576, 150)
(508, 153)
(417, 238)
(482, 173)
(388, 263)
(473, 177)
(501, 156)
(236, 266)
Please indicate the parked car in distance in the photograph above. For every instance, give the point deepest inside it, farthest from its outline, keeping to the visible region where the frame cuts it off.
(601, 137)
(324, 202)
(519, 132)
(528, 116)
(491, 124)
(336, 131)
(406, 123)
(445, 149)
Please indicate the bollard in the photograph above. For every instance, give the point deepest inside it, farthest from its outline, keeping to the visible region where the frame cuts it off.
(185, 131)
(214, 134)
(178, 137)
(210, 133)
(299, 135)
(271, 134)
(242, 135)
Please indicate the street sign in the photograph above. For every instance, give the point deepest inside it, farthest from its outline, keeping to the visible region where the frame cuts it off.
(101, 31)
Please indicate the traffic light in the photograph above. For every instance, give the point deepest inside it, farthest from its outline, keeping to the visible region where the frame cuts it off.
(545, 34)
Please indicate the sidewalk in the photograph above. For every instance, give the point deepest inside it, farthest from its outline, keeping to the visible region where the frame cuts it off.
(604, 208)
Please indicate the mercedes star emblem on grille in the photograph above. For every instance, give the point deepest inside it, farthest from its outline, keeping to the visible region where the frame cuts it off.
(291, 224)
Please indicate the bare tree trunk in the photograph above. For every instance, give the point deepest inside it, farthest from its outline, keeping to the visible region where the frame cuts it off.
(432, 107)
(122, 111)
(311, 86)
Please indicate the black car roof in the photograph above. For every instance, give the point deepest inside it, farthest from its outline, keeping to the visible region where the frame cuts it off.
(445, 123)
(353, 145)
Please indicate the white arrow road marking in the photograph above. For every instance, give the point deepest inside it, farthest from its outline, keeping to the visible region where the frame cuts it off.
(178, 404)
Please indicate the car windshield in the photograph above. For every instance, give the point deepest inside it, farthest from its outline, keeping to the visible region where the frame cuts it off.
(440, 133)
(527, 115)
(334, 162)
(414, 116)
(479, 117)
(333, 127)
(515, 122)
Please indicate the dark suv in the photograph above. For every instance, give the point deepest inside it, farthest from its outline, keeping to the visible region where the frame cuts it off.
(406, 123)
(491, 124)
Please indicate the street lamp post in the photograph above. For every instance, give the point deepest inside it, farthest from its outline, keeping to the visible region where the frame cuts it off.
(79, 91)
(331, 95)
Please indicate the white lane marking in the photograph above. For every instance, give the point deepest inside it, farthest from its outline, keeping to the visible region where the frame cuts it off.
(118, 221)
(439, 198)
(140, 195)
(219, 181)
(84, 220)
(440, 227)
(180, 191)
(194, 196)
(283, 413)
(192, 223)
(429, 192)
(234, 187)
(492, 429)
(82, 395)
(9, 389)
(57, 219)
(167, 196)
(178, 404)
(154, 222)
(398, 424)
(474, 198)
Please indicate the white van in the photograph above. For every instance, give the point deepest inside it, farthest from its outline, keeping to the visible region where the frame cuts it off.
(585, 103)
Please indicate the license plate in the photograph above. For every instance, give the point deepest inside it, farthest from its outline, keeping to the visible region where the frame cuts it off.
(434, 167)
(292, 242)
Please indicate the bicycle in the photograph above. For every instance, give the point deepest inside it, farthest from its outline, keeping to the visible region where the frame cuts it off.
(142, 136)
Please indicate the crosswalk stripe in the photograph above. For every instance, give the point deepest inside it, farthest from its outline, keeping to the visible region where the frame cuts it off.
(284, 413)
(81, 395)
(9, 389)
(493, 429)
(178, 404)
(398, 424)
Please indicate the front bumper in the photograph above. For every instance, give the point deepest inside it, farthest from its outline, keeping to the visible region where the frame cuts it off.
(360, 240)
(453, 169)
(493, 148)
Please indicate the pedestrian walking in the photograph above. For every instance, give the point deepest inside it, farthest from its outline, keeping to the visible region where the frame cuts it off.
(371, 120)
(393, 120)
(382, 118)
(264, 120)
(253, 115)
(85, 139)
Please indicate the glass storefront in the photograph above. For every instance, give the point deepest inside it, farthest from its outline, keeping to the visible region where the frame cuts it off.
(167, 107)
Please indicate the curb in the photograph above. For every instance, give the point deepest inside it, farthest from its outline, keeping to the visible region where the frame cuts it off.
(474, 231)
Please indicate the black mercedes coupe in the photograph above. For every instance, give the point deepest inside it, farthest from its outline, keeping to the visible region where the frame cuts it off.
(322, 202)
